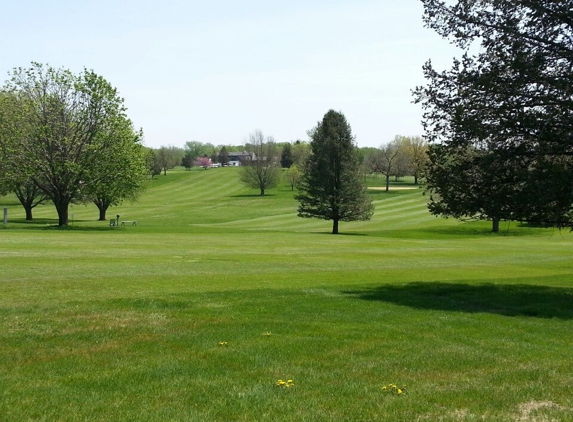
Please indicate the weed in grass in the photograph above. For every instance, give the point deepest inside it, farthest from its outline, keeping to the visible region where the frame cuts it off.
(394, 389)
(286, 384)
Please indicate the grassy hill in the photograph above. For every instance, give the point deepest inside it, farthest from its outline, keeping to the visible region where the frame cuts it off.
(197, 312)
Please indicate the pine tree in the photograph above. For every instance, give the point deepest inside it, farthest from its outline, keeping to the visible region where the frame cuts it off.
(331, 185)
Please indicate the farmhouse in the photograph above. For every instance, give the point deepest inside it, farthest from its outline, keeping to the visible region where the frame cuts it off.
(236, 158)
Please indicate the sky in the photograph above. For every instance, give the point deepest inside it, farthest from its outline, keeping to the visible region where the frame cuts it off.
(216, 71)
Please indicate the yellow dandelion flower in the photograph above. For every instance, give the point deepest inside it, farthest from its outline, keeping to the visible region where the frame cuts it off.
(399, 391)
(384, 388)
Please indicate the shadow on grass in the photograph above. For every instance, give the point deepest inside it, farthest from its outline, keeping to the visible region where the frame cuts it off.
(341, 233)
(44, 221)
(254, 195)
(42, 224)
(508, 300)
(468, 230)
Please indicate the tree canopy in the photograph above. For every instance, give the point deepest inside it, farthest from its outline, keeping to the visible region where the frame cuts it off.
(62, 129)
(263, 171)
(331, 184)
(511, 102)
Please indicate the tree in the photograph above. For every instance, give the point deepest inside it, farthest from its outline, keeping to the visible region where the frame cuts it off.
(223, 157)
(293, 175)
(331, 184)
(262, 172)
(468, 183)
(187, 162)
(300, 152)
(286, 156)
(153, 165)
(513, 101)
(204, 162)
(12, 179)
(385, 160)
(29, 195)
(416, 150)
(119, 172)
(64, 117)
(168, 157)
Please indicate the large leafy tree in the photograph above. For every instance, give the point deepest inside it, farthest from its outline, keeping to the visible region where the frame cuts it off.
(119, 172)
(263, 171)
(469, 183)
(388, 160)
(168, 157)
(65, 121)
(12, 129)
(331, 185)
(511, 100)
(416, 153)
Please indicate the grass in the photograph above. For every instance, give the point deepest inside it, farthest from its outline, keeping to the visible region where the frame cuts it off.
(123, 324)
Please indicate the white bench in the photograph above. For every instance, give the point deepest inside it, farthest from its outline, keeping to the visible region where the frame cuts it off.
(127, 222)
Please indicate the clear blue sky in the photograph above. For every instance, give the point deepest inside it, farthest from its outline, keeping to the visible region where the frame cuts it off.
(214, 71)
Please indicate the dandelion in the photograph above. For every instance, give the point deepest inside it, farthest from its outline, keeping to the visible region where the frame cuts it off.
(267, 334)
(393, 389)
(222, 343)
(286, 384)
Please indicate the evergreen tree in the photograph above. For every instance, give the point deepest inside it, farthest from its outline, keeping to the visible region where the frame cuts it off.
(286, 156)
(331, 185)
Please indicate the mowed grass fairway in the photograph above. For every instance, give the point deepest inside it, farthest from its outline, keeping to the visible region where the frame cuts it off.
(196, 313)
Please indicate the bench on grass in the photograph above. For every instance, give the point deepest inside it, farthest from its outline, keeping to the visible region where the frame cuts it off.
(126, 222)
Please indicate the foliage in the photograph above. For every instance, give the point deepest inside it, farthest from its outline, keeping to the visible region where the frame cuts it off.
(223, 156)
(286, 156)
(331, 185)
(195, 149)
(293, 175)
(12, 179)
(120, 171)
(204, 162)
(416, 151)
(153, 165)
(300, 153)
(168, 157)
(512, 99)
(387, 160)
(65, 124)
(470, 183)
(262, 172)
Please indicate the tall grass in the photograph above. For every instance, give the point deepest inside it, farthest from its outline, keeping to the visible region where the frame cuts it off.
(196, 312)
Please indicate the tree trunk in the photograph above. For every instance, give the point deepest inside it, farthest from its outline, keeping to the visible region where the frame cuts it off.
(335, 226)
(495, 225)
(262, 192)
(102, 205)
(387, 182)
(102, 211)
(28, 209)
(415, 179)
(62, 209)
